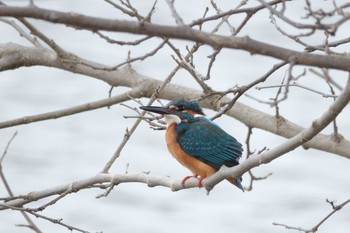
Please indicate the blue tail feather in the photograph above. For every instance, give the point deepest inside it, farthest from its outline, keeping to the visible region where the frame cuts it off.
(239, 183)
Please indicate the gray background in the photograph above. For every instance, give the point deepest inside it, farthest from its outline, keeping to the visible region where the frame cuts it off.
(55, 152)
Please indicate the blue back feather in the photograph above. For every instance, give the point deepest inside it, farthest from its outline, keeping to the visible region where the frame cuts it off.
(203, 139)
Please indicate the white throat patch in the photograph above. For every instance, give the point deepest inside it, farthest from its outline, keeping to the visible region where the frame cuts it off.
(199, 115)
(169, 119)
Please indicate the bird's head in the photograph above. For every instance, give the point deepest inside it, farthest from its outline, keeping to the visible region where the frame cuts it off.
(177, 111)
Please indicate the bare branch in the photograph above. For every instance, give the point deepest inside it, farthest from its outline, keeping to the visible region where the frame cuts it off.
(174, 13)
(326, 77)
(140, 58)
(249, 11)
(185, 33)
(155, 95)
(295, 84)
(21, 32)
(317, 226)
(240, 91)
(129, 10)
(70, 111)
(242, 112)
(227, 26)
(210, 182)
(31, 224)
(102, 178)
(112, 41)
(116, 154)
(54, 221)
(6, 148)
(149, 120)
(212, 60)
(248, 154)
(311, 48)
(295, 24)
(296, 141)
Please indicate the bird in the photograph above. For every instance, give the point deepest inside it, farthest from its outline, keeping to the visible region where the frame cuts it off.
(196, 142)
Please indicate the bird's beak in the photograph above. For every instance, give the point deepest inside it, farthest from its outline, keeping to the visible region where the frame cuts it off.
(159, 110)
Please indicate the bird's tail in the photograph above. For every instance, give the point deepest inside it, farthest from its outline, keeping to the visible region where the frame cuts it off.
(237, 182)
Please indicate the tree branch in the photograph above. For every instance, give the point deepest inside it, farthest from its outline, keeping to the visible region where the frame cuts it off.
(31, 224)
(45, 52)
(317, 226)
(301, 138)
(179, 32)
(209, 183)
(115, 179)
(73, 110)
(245, 114)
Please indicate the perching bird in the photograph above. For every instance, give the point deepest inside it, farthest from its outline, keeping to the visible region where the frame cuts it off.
(196, 142)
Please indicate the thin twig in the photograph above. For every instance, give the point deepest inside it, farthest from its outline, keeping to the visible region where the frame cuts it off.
(52, 220)
(232, 12)
(128, 133)
(72, 110)
(69, 190)
(31, 224)
(7, 147)
(317, 226)
(248, 154)
(211, 62)
(112, 41)
(324, 75)
(174, 13)
(140, 58)
(21, 32)
(129, 10)
(242, 90)
(294, 84)
(51, 43)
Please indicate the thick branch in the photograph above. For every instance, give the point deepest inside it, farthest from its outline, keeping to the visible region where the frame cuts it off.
(150, 180)
(178, 32)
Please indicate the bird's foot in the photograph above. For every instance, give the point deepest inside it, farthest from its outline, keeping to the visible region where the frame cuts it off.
(184, 180)
(189, 177)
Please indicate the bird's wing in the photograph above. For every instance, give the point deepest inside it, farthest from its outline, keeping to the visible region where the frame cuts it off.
(207, 142)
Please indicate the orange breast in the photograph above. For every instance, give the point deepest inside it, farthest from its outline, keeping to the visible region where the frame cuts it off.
(196, 166)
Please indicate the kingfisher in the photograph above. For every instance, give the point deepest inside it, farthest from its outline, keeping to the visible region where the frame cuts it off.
(196, 142)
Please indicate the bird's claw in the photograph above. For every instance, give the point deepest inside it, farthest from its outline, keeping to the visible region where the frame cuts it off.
(189, 177)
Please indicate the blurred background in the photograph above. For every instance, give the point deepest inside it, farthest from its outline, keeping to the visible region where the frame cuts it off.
(55, 152)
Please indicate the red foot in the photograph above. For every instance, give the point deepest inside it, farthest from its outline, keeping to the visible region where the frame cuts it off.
(188, 177)
(200, 181)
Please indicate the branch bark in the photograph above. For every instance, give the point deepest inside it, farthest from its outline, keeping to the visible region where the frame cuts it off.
(178, 32)
(115, 179)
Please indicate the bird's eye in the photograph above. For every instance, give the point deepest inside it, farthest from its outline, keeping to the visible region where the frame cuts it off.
(180, 108)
